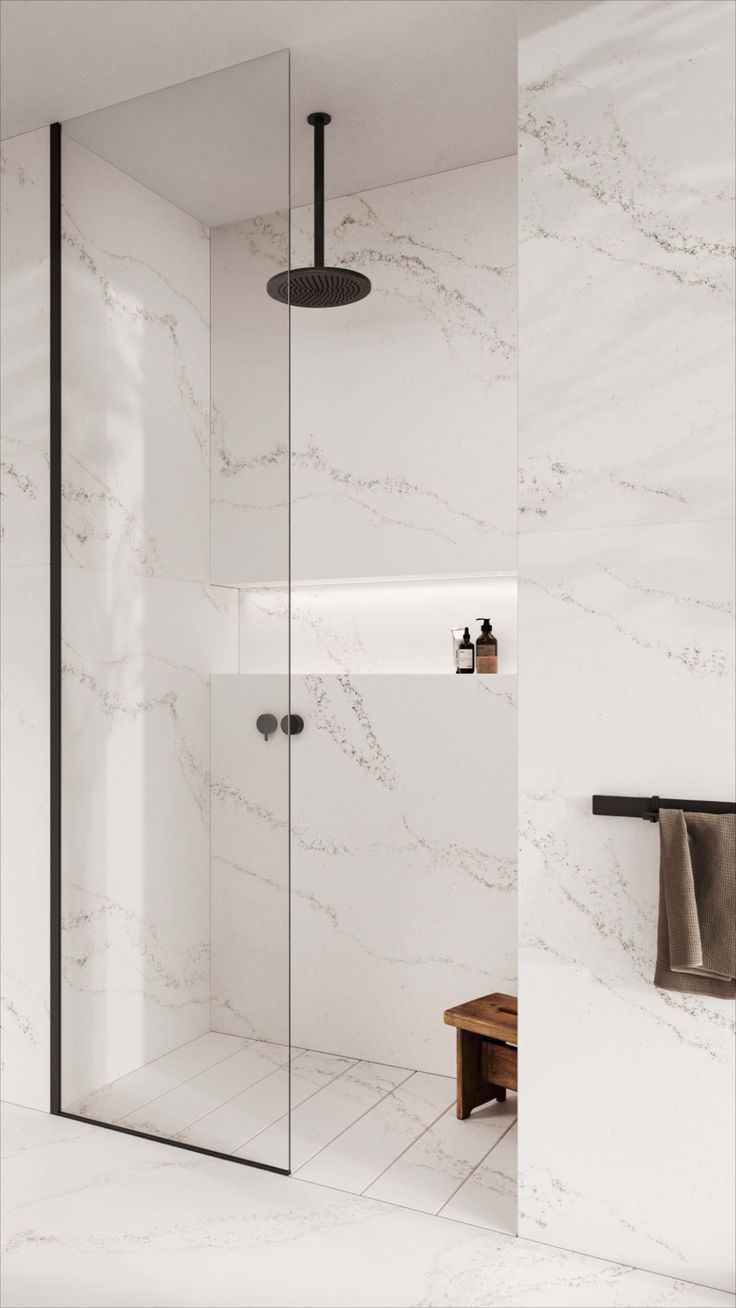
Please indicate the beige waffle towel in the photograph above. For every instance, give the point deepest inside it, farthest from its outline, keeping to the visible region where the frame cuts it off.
(696, 937)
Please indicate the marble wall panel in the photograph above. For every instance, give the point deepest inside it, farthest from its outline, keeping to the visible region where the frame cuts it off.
(24, 830)
(24, 554)
(250, 404)
(138, 654)
(627, 656)
(250, 859)
(403, 860)
(626, 289)
(24, 346)
(135, 287)
(625, 614)
(403, 407)
(403, 875)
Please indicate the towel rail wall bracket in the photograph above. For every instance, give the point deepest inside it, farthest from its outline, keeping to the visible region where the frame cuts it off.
(648, 809)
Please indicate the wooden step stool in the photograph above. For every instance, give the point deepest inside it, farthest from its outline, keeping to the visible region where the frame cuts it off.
(487, 1041)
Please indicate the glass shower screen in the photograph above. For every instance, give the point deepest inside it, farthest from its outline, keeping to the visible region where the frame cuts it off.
(174, 756)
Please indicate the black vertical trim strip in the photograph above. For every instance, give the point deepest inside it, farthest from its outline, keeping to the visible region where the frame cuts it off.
(55, 609)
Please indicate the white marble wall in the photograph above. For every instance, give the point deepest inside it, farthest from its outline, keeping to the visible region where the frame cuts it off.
(626, 615)
(403, 859)
(142, 627)
(250, 859)
(403, 407)
(24, 771)
(250, 404)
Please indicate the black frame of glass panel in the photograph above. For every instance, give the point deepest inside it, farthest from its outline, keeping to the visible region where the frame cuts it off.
(55, 740)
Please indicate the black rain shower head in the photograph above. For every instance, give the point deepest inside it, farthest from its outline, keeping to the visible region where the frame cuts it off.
(319, 287)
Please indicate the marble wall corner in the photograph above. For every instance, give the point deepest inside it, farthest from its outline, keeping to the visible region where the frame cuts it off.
(24, 342)
(24, 554)
(138, 655)
(430, 354)
(24, 800)
(135, 296)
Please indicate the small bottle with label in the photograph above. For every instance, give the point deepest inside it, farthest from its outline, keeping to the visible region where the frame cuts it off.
(466, 653)
(486, 648)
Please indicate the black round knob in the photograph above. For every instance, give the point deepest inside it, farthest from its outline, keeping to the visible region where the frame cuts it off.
(292, 724)
(266, 724)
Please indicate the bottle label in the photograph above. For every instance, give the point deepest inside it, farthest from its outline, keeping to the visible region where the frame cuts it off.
(464, 658)
(487, 663)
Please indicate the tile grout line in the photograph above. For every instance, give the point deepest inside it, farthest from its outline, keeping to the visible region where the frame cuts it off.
(404, 1208)
(274, 1070)
(502, 1255)
(220, 1061)
(473, 1170)
(356, 1120)
(305, 1100)
(416, 1140)
(145, 1067)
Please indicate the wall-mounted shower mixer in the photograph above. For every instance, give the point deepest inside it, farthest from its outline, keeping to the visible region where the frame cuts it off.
(291, 724)
(267, 724)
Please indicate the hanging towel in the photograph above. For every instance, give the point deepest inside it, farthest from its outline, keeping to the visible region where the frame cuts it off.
(696, 937)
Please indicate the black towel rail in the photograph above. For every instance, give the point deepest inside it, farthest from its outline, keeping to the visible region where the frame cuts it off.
(629, 806)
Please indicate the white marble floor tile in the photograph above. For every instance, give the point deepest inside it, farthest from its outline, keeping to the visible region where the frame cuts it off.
(130, 1092)
(370, 1145)
(171, 1112)
(488, 1197)
(324, 1116)
(261, 1110)
(530, 1274)
(439, 1162)
(96, 1219)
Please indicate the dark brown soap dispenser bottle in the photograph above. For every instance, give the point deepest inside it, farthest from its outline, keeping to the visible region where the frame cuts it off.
(486, 648)
(466, 653)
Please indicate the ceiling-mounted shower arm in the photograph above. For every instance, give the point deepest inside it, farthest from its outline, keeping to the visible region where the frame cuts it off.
(318, 287)
(319, 121)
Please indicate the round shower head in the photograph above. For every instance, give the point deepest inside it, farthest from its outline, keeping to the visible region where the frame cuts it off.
(319, 288)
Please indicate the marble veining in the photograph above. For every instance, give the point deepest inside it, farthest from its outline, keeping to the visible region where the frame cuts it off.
(631, 213)
(374, 799)
(602, 613)
(24, 340)
(211, 1232)
(24, 625)
(135, 273)
(398, 626)
(137, 658)
(441, 254)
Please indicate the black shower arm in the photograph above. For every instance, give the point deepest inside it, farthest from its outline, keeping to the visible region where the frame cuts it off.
(319, 121)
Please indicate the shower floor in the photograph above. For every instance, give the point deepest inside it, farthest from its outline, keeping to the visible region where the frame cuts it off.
(367, 1128)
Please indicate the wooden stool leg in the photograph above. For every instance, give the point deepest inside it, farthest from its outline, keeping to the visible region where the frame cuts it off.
(468, 1071)
(472, 1087)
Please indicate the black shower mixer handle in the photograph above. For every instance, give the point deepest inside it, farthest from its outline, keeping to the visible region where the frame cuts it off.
(292, 724)
(267, 724)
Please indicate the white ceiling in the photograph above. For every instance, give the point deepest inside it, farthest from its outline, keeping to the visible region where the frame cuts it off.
(217, 146)
(414, 86)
